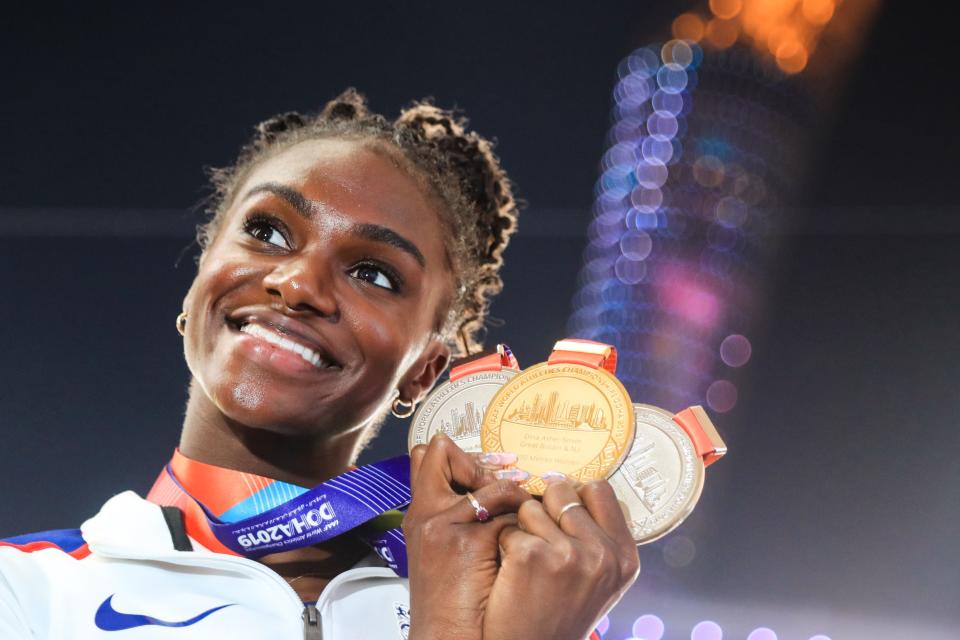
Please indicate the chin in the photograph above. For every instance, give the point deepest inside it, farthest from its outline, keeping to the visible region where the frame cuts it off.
(269, 410)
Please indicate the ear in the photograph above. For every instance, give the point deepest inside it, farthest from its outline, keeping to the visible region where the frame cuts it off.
(424, 372)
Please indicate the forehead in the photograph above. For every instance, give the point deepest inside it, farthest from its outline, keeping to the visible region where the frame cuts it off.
(348, 177)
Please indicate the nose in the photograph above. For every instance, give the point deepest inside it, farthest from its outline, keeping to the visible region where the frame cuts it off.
(303, 284)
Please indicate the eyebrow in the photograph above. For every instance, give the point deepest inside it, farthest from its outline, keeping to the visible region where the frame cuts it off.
(375, 232)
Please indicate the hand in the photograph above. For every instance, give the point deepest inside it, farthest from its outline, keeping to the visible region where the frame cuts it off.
(452, 558)
(557, 580)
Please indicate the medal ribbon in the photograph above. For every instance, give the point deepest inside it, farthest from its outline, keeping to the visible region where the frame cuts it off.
(503, 358)
(595, 355)
(248, 515)
(706, 440)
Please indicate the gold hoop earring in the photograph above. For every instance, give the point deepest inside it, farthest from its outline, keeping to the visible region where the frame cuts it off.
(409, 408)
(182, 323)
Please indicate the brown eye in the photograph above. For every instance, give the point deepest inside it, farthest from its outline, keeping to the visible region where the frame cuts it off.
(375, 275)
(266, 230)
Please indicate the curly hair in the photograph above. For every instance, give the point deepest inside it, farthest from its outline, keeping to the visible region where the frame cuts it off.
(454, 165)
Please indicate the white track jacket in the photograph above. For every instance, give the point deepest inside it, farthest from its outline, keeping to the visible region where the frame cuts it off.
(125, 580)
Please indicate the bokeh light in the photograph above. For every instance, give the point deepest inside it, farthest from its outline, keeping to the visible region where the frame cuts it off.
(648, 627)
(604, 625)
(688, 26)
(708, 170)
(636, 245)
(679, 551)
(818, 12)
(688, 192)
(722, 34)
(722, 396)
(706, 630)
(726, 8)
(735, 350)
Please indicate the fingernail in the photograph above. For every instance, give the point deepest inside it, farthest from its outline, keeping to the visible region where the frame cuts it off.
(517, 475)
(500, 458)
(550, 477)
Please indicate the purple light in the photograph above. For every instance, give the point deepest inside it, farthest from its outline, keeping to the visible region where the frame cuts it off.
(671, 103)
(731, 211)
(636, 245)
(706, 630)
(651, 175)
(672, 78)
(646, 200)
(820, 637)
(655, 150)
(722, 397)
(643, 61)
(762, 633)
(641, 219)
(735, 350)
(630, 271)
(677, 51)
(604, 625)
(648, 627)
(662, 125)
(680, 294)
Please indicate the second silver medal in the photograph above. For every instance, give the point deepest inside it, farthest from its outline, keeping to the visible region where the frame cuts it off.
(456, 408)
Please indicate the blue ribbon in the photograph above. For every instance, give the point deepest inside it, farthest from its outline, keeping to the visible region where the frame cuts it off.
(330, 509)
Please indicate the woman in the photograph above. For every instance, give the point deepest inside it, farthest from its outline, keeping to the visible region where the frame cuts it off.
(346, 259)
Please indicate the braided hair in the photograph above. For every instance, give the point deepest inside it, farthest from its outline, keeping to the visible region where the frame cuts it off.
(455, 166)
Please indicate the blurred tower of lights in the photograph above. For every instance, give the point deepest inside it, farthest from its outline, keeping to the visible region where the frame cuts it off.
(707, 144)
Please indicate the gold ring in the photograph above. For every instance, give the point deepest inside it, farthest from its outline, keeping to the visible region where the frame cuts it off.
(566, 508)
(480, 512)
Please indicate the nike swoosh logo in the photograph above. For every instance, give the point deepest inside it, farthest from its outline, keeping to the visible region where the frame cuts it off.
(109, 619)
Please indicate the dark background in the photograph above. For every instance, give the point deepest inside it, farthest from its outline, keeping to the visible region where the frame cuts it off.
(836, 510)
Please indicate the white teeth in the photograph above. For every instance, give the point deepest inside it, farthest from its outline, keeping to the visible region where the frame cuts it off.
(273, 337)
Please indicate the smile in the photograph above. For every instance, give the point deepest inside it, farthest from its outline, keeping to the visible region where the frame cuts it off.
(274, 338)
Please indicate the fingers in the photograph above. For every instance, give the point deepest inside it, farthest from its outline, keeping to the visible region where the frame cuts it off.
(534, 519)
(442, 469)
(416, 459)
(503, 496)
(601, 501)
(565, 507)
(445, 466)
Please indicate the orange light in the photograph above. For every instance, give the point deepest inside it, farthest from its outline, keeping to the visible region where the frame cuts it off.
(818, 11)
(722, 33)
(791, 56)
(688, 26)
(726, 9)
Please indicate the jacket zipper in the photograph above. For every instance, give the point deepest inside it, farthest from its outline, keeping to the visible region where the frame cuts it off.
(311, 623)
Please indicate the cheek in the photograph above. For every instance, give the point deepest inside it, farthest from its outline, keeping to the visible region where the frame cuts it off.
(216, 279)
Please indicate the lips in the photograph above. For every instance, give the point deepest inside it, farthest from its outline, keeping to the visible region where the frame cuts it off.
(286, 333)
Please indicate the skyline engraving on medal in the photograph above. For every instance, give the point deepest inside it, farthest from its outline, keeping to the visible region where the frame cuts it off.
(552, 413)
(465, 425)
(456, 408)
(568, 417)
(640, 468)
(660, 480)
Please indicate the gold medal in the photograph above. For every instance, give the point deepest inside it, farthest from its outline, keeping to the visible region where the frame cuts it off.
(569, 414)
(660, 482)
(457, 406)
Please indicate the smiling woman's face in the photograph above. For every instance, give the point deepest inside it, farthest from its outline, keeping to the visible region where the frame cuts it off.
(321, 293)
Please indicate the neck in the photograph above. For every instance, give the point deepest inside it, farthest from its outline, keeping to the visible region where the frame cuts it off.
(305, 460)
(209, 436)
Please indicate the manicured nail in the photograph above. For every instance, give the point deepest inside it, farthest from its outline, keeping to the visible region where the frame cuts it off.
(551, 477)
(500, 458)
(517, 475)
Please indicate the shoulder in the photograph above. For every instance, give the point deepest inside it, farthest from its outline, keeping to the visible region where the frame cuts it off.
(66, 541)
